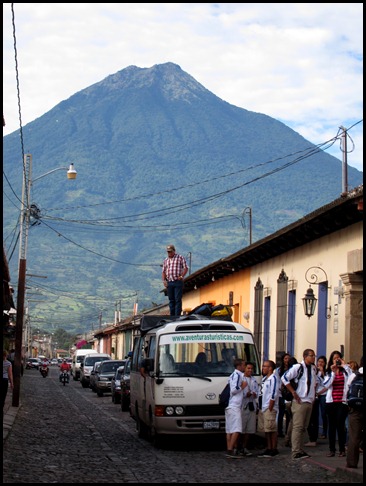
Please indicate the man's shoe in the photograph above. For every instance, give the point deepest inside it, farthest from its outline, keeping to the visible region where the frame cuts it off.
(301, 455)
(310, 444)
(266, 453)
(232, 455)
(274, 452)
(247, 453)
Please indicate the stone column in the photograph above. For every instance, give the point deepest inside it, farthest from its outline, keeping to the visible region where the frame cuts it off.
(353, 295)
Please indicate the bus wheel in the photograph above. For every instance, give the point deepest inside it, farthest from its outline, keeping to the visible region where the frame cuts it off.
(141, 428)
(155, 438)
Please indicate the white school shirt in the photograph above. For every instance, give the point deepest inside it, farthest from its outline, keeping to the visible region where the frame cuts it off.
(236, 392)
(270, 391)
(252, 387)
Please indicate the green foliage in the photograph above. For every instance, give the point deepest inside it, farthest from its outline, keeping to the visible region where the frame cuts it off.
(64, 339)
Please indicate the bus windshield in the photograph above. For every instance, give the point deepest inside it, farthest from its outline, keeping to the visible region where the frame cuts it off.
(203, 358)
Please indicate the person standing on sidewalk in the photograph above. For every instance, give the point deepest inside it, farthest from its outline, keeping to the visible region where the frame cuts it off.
(313, 429)
(302, 402)
(249, 408)
(355, 423)
(292, 361)
(7, 378)
(174, 270)
(335, 382)
(268, 408)
(284, 366)
(233, 422)
(322, 365)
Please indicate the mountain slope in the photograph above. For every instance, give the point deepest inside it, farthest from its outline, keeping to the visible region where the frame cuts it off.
(158, 158)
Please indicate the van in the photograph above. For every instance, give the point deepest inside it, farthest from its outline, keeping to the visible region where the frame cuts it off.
(106, 371)
(87, 365)
(179, 367)
(77, 359)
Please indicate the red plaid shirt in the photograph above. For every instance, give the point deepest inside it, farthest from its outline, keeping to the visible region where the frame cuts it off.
(173, 267)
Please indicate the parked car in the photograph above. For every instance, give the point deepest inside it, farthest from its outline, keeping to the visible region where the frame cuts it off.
(87, 365)
(94, 375)
(32, 363)
(105, 374)
(125, 387)
(116, 385)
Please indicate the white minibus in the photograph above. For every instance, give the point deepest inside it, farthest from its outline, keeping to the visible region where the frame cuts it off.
(179, 367)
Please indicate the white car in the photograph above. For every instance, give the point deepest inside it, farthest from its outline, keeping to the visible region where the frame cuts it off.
(32, 363)
(54, 361)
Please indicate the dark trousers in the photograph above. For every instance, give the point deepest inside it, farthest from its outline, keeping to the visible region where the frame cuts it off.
(323, 414)
(337, 414)
(4, 390)
(280, 415)
(355, 429)
(314, 422)
(175, 294)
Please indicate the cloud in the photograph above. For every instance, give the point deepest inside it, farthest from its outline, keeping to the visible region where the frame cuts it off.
(299, 63)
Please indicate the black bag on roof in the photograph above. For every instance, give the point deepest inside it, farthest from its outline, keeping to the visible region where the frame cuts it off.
(202, 310)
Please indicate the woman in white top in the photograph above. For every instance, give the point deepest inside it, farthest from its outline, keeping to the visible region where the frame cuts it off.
(7, 377)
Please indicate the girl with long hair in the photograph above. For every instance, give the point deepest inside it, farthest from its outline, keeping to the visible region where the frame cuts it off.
(335, 382)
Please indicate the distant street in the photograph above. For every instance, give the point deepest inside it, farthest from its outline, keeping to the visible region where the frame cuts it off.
(69, 435)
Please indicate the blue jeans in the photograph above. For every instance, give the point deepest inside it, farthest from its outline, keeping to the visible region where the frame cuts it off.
(175, 293)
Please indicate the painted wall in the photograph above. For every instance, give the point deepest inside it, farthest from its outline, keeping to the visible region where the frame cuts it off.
(219, 292)
(331, 254)
(335, 254)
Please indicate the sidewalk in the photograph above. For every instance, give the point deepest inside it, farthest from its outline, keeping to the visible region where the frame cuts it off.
(319, 457)
(9, 414)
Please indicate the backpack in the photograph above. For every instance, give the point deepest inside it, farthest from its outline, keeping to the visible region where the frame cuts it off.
(286, 394)
(202, 310)
(355, 392)
(225, 396)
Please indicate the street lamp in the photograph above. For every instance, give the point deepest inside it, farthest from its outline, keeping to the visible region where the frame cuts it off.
(25, 212)
(309, 302)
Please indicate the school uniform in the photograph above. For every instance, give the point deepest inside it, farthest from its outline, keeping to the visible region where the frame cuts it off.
(301, 412)
(270, 391)
(233, 420)
(249, 412)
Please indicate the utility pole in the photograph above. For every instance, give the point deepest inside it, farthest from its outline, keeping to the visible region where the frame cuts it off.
(344, 161)
(190, 262)
(25, 213)
(23, 241)
(249, 211)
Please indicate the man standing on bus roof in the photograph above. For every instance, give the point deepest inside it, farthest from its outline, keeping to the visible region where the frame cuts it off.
(174, 270)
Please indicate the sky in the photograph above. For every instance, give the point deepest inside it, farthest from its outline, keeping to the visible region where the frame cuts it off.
(300, 63)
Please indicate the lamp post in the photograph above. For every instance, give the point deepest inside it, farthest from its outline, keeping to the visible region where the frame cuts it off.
(25, 212)
(309, 301)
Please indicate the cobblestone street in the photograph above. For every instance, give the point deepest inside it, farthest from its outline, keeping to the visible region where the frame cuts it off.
(69, 435)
